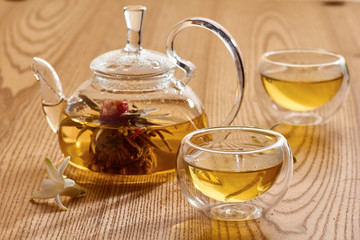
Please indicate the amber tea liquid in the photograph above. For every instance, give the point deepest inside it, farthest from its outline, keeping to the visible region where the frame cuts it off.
(99, 148)
(301, 95)
(232, 185)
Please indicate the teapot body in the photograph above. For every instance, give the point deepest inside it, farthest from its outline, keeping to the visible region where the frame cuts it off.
(128, 132)
(131, 116)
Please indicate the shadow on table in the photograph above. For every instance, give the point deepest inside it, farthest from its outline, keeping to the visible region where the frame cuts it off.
(101, 188)
(104, 179)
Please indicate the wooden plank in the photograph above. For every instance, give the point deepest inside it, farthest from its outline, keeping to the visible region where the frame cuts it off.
(322, 202)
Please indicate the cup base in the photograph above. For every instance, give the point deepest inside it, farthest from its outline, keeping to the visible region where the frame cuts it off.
(234, 212)
(302, 119)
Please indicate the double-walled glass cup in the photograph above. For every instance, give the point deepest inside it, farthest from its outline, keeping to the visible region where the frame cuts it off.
(234, 173)
(302, 86)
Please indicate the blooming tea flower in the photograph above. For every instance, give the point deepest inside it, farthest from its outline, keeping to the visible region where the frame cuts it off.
(57, 186)
(112, 110)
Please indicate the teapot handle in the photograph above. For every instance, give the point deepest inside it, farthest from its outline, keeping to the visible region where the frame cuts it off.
(189, 67)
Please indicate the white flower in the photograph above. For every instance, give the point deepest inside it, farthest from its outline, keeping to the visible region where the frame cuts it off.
(57, 186)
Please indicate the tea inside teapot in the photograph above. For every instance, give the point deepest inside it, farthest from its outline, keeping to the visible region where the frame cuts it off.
(126, 137)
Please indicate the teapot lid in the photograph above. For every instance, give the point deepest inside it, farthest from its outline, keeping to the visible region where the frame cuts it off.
(132, 62)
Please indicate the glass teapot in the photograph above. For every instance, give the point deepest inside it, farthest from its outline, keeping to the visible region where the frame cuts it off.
(131, 116)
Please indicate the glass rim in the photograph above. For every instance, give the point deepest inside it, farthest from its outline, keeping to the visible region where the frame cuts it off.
(280, 139)
(339, 57)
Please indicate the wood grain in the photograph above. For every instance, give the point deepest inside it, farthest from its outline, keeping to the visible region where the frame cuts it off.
(323, 201)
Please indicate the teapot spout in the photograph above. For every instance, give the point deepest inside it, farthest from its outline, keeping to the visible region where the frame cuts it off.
(52, 98)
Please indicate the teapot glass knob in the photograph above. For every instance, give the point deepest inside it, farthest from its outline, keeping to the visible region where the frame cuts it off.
(189, 68)
(134, 16)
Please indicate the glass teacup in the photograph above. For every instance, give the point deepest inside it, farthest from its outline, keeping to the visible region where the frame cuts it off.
(234, 173)
(302, 86)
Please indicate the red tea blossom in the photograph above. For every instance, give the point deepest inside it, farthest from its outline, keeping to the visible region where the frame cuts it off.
(111, 111)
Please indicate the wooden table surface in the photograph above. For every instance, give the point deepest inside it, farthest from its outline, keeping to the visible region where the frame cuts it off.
(323, 201)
